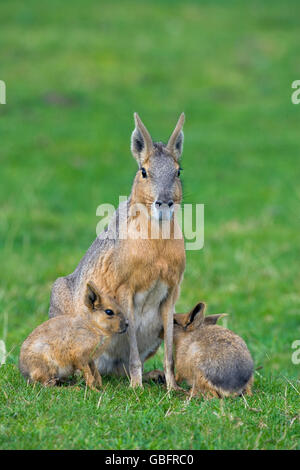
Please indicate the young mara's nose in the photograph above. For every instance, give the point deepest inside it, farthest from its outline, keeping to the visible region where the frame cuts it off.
(159, 203)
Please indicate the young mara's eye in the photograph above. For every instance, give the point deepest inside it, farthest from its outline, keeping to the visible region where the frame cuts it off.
(144, 173)
(179, 171)
(109, 312)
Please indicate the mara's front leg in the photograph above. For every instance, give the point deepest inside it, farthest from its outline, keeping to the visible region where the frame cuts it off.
(135, 363)
(167, 311)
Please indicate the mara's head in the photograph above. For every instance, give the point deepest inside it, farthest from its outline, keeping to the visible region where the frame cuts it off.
(104, 311)
(191, 321)
(157, 183)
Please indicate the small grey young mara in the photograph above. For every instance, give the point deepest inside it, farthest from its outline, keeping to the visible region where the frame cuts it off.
(213, 360)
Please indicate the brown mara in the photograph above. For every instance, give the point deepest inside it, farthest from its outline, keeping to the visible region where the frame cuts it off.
(144, 275)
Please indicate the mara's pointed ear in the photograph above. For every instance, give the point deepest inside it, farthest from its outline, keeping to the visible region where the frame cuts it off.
(196, 316)
(92, 297)
(212, 319)
(175, 144)
(141, 142)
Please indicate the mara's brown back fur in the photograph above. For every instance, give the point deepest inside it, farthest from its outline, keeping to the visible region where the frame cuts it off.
(143, 275)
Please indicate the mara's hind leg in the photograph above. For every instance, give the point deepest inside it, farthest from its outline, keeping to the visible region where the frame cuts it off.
(61, 302)
(248, 388)
(201, 386)
(96, 375)
(51, 382)
(154, 375)
(46, 376)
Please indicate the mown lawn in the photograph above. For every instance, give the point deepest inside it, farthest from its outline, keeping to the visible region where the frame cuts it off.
(75, 73)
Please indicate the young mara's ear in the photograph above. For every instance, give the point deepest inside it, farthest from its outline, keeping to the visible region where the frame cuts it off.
(141, 142)
(196, 316)
(175, 144)
(212, 319)
(92, 296)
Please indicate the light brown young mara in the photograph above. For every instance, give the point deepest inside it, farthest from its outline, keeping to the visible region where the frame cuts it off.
(143, 274)
(61, 345)
(213, 360)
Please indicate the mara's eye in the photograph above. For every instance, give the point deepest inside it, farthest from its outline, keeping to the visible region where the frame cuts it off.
(179, 171)
(144, 173)
(109, 312)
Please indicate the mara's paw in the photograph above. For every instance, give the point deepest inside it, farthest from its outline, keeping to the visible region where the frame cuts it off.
(156, 375)
(172, 385)
(136, 382)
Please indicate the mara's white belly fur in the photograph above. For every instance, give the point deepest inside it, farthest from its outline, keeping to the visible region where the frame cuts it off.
(148, 324)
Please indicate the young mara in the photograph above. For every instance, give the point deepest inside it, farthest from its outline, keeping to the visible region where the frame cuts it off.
(63, 344)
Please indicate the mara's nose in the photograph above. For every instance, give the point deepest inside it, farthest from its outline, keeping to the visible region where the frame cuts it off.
(159, 203)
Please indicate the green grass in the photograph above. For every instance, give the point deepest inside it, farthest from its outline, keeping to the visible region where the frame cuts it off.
(122, 418)
(74, 75)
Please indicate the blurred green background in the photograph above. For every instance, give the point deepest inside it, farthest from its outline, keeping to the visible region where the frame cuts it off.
(75, 72)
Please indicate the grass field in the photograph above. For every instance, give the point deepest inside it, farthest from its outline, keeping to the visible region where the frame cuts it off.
(75, 73)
